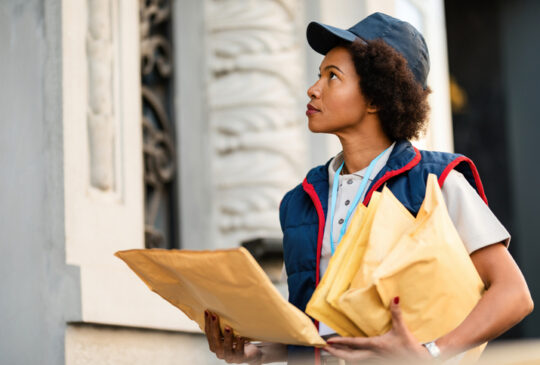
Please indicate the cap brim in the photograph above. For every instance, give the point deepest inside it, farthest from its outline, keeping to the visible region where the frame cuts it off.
(322, 38)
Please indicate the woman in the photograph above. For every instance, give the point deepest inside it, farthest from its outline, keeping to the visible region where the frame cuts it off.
(372, 95)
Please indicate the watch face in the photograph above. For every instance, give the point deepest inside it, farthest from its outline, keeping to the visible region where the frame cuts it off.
(433, 349)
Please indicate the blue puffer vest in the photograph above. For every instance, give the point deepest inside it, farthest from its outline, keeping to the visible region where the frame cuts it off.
(303, 210)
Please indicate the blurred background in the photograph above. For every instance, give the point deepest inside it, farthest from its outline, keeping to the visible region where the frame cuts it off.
(180, 124)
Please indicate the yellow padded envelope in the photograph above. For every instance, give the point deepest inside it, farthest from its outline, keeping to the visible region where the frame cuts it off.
(428, 267)
(390, 222)
(229, 283)
(395, 220)
(317, 306)
(341, 268)
(352, 257)
(358, 238)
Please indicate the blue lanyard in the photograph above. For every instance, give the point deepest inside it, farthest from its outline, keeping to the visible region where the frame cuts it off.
(360, 192)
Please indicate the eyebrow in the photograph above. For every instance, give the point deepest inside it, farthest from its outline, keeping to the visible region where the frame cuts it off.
(332, 66)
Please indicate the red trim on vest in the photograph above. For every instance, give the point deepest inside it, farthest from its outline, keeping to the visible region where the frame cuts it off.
(317, 356)
(412, 163)
(310, 190)
(452, 165)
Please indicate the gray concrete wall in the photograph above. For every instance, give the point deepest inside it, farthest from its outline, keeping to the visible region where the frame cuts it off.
(39, 293)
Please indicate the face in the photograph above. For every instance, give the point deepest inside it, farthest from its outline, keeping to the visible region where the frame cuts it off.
(337, 103)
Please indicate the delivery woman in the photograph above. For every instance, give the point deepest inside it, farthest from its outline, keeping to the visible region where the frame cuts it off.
(372, 94)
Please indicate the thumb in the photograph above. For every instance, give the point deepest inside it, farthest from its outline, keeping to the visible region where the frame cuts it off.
(397, 317)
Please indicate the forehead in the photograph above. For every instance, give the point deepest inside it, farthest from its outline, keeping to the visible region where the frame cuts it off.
(338, 56)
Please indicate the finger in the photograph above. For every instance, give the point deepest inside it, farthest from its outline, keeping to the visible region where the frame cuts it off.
(252, 353)
(228, 350)
(239, 349)
(210, 335)
(341, 347)
(354, 342)
(216, 335)
(349, 355)
(207, 330)
(397, 317)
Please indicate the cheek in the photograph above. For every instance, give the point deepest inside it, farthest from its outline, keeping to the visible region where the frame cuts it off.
(349, 106)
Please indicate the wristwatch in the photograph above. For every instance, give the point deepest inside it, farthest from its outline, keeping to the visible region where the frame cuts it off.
(433, 349)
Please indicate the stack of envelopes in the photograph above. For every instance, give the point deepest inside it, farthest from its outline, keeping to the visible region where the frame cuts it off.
(387, 252)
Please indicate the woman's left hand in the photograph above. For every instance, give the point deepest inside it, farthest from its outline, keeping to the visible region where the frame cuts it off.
(398, 342)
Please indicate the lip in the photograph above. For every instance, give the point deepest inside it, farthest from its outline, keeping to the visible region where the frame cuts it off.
(311, 110)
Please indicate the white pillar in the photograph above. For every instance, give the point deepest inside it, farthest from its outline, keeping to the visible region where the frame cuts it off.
(103, 163)
(255, 149)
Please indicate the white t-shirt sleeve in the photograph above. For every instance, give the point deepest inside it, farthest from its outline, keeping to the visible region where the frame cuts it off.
(475, 222)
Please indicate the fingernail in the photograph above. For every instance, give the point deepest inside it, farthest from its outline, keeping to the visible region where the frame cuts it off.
(214, 317)
(396, 300)
(206, 313)
(227, 329)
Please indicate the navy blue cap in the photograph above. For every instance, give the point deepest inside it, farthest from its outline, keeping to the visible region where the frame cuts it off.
(400, 35)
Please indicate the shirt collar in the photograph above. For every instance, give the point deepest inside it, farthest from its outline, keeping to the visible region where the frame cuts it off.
(338, 159)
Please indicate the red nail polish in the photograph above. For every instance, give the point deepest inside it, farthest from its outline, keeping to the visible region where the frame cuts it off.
(227, 329)
(396, 300)
(206, 313)
(214, 317)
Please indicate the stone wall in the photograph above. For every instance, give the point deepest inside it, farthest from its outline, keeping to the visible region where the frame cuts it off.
(40, 293)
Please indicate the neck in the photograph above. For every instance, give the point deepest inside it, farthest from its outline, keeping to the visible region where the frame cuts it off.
(359, 149)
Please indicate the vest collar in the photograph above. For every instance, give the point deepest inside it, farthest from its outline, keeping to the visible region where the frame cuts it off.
(402, 154)
(404, 157)
(317, 177)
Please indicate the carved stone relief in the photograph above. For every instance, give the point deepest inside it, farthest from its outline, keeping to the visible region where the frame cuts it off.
(256, 113)
(158, 136)
(100, 114)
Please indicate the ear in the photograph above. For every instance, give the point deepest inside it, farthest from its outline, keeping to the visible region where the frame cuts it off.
(372, 108)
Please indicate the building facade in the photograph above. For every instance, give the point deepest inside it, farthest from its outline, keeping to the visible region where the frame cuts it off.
(133, 124)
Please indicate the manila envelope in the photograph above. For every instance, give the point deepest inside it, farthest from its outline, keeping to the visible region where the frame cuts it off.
(428, 267)
(319, 307)
(229, 283)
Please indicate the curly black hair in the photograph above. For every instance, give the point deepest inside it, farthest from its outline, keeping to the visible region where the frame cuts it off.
(388, 83)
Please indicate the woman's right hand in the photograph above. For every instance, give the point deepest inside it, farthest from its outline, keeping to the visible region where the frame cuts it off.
(232, 349)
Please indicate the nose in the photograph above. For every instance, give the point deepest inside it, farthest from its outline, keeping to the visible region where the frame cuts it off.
(314, 91)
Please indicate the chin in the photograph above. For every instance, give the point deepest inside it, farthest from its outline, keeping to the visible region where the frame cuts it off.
(314, 130)
(313, 127)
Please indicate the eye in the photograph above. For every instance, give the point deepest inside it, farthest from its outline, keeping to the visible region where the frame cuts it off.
(332, 75)
(319, 76)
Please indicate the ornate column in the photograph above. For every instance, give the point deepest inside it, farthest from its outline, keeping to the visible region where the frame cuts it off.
(257, 128)
(159, 146)
(101, 95)
(102, 158)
